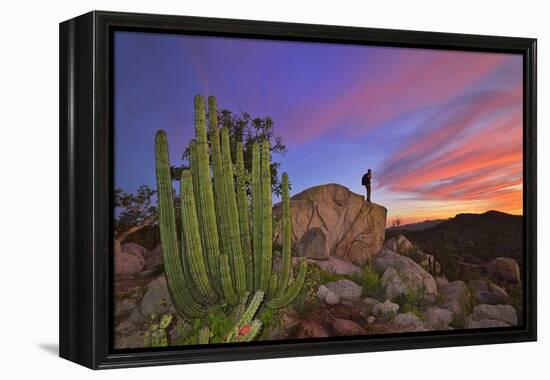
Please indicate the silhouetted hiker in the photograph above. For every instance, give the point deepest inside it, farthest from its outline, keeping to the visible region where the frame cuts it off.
(365, 181)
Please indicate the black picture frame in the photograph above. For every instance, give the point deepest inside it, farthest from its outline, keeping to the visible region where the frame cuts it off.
(86, 178)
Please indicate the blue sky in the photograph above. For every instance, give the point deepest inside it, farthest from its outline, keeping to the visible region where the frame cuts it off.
(419, 118)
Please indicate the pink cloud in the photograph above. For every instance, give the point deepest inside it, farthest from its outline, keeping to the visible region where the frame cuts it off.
(421, 78)
(484, 166)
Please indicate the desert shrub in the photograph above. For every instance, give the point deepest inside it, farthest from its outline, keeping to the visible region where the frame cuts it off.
(473, 273)
(318, 276)
(307, 298)
(326, 277)
(412, 301)
(188, 333)
(270, 318)
(516, 300)
(369, 279)
(219, 321)
(415, 254)
(458, 322)
(157, 334)
(133, 293)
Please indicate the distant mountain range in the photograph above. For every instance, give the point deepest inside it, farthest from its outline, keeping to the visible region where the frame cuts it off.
(416, 226)
(469, 241)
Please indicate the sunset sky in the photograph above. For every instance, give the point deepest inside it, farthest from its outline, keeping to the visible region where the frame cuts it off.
(441, 130)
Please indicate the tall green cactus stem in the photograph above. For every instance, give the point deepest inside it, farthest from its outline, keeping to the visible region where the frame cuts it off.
(226, 282)
(184, 301)
(217, 171)
(287, 238)
(242, 203)
(192, 241)
(205, 197)
(292, 291)
(252, 308)
(256, 215)
(267, 221)
(193, 167)
(273, 286)
(224, 196)
(236, 259)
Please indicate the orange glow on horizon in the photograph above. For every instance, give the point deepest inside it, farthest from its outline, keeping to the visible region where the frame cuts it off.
(509, 201)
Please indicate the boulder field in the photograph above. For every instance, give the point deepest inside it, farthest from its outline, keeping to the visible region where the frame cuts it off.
(358, 283)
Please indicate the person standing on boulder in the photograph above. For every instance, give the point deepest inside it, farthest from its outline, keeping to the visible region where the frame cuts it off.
(365, 181)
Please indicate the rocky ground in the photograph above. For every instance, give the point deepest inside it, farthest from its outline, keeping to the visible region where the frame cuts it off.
(357, 283)
(396, 294)
(392, 294)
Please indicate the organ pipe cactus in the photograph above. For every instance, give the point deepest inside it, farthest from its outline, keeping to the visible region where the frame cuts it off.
(219, 258)
(287, 239)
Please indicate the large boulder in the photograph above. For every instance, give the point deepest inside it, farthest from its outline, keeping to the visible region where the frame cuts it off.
(157, 299)
(399, 244)
(327, 296)
(293, 327)
(128, 336)
(407, 322)
(504, 269)
(345, 327)
(484, 323)
(385, 310)
(455, 297)
(311, 330)
(129, 261)
(479, 286)
(486, 293)
(330, 220)
(337, 266)
(124, 308)
(441, 281)
(346, 289)
(401, 275)
(438, 318)
(456, 290)
(490, 298)
(153, 259)
(492, 316)
(313, 244)
(134, 249)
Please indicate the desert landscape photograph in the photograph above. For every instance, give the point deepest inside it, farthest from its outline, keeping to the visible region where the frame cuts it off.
(270, 190)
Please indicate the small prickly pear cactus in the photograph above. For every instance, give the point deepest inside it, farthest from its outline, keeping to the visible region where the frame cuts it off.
(157, 335)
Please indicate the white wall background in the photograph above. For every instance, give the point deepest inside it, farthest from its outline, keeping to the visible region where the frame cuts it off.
(29, 189)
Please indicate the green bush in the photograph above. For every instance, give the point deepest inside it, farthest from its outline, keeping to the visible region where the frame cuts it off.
(412, 301)
(516, 300)
(188, 334)
(369, 279)
(219, 320)
(307, 298)
(415, 254)
(270, 318)
(157, 334)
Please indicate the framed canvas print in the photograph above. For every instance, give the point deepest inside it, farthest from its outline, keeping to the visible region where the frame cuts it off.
(238, 189)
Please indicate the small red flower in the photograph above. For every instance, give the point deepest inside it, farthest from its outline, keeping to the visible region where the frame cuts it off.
(244, 330)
